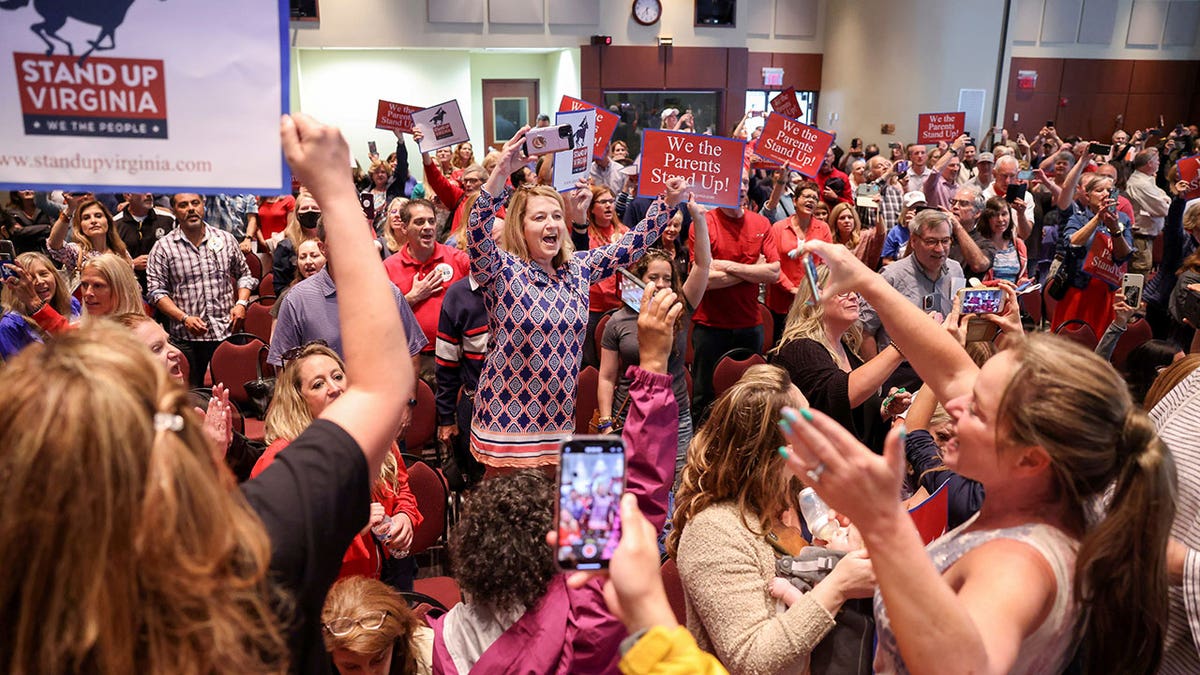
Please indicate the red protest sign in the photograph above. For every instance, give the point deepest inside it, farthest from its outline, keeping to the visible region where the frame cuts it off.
(712, 165)
(395, 116)
(937, 127)
(798, 145)
(787, 104)
(606, 122)
(1189, 172)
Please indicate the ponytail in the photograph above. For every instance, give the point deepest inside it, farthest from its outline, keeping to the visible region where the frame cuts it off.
(1121, 570)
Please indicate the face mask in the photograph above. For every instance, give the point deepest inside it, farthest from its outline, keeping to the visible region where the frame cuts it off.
(308, 219)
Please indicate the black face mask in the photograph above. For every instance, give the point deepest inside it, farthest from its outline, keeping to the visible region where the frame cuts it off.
(308, 219)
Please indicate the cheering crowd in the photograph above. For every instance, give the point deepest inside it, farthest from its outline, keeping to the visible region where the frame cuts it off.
(813, 336)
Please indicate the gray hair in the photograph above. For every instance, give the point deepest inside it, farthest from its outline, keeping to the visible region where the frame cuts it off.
(1008, 160)
(925, 220)
(976, 196)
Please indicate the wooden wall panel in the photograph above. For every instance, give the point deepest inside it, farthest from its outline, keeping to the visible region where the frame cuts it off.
(1091, 116)
(755, 62)
(589, 66)
(695, 67)
(1152, 77)
(736, 84)
(802, 71)
(632, 68)
(1049, 72)
(1107, 76)
(1143, 110)
(1033, 110)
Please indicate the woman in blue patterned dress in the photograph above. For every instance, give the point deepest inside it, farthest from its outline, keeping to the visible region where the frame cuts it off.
(536, 294)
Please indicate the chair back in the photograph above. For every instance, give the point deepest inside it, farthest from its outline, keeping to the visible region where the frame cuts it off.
(600, 325)
(267, 285)
(1048, 302)
(674, 587)
(259, 319)
(239, 358)
(423, 426)
(430, 491)
(424, 606)
(731, 366)
(443, 589)
(1136, 333)
(586, 399)
(768, 324)
(255, 264)
(932, 515)
(1079, 331)
(1032, 304)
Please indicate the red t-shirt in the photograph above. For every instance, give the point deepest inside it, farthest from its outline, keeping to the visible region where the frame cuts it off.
(606, 294)
(402, 269)
(273, 215)
(741, 240)
(791, 271)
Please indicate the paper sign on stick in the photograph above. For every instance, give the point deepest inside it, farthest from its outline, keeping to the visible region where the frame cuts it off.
(787, 104)
(114, 101)
(606, 122)
(712, 165)
(576, 163)
(937, 127)
(442, 125)
(395, 116)
(797, 144)
(1189, 172)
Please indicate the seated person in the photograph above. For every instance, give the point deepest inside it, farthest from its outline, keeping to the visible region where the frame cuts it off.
(370, 629)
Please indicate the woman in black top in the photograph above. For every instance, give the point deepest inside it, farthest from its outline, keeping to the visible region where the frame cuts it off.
(819, 350)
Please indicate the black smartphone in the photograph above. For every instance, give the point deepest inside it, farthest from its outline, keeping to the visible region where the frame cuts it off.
(1013, 192)
(591, 479)
(1101, 149)
(8, 256)
(372, 148)
(367, 200)
(1050, 123)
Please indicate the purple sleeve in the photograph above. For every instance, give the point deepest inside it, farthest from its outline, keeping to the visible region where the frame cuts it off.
(412, 329)
(287, 333)
(651, 437)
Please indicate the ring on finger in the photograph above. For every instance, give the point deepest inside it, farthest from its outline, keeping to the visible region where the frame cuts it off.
(814, 474)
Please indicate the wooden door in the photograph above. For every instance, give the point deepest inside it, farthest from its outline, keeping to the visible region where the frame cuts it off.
(508, 105)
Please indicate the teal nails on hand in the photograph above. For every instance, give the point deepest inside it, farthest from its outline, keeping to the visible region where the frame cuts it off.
(785, 426)
(790, 415)
(783, 452)
(903, 433)
(806, 414)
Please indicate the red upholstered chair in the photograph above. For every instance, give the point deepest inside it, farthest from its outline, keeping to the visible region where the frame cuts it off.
(1136, 333)
(931, 515)
(1079, 331)
(424, 420)
(1048, 303)
(237, 360)
(731, 366)
(443, 589)
(255, 264)
(259, 319)
(430, 490)
(674, 587)
(600, 325)
(1031, 303)
(267, 285)
(586, 400)
(768, 324)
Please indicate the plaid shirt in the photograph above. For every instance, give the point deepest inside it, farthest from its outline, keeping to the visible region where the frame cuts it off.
(891, 204)
(198, 279)
(229, 212)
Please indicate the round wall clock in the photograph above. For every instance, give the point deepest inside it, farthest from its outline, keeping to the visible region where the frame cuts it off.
(647, 12)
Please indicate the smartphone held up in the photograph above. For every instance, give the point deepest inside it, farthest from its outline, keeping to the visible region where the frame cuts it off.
(591, 479)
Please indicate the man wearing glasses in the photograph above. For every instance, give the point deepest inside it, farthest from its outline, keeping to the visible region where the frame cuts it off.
(965, 207)
(928, 277)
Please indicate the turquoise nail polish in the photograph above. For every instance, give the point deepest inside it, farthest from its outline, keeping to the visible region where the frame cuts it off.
(790, 415)
(806, 414)
(783, 452)
(903, 433)
(785, 426)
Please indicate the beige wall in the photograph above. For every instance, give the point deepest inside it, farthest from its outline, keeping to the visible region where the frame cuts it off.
(887, 62)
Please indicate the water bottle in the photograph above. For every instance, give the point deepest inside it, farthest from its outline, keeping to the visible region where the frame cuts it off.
(816, 512)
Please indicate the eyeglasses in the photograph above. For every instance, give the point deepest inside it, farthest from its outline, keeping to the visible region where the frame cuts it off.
(931, 243)
(343, 625)
(962, 202)
(605, 202)
(296, 352)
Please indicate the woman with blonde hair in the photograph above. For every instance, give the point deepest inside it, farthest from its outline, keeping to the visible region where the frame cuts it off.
(867, 245)
(34, 285)
(105, 460)
(536, 292)
(302, 225)
(1050, 431)
(395, 232)
(819, 351)
(91, 233)
(312, 378)
(107, 287)
(368, 628)
(733, 501)
(379, 174)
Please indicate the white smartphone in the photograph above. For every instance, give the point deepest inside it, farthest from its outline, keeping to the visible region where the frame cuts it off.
(1131, 285)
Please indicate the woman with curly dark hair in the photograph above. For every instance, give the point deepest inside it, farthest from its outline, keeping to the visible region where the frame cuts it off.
(517, 607)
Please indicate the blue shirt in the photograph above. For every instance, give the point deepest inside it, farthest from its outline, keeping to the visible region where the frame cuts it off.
(18, 332)
(310, 312)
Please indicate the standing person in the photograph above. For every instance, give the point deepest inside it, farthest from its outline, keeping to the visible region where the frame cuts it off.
(89, 226)
(619, 344)
(848, 231)
(1151, 203)
(788, 233)
(918, 170)
(423, 269)
(1088, 297)
(1007, 256)
(1003, 175)
(139, 225)
(273, 213)
(33, 285)
(745, 254)
(603, 228)
(302, 226)
(895, 245)
(1048, 428)
(536, 294)
(188, 279)
(237, 215)
(31, 225)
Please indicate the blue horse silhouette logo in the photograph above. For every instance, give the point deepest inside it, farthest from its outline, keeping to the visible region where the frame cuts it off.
(107, 14)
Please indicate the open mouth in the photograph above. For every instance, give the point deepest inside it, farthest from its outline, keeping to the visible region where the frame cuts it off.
(550, 240)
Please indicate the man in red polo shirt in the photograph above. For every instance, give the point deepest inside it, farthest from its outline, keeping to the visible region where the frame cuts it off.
(423, 269)
(745, 255)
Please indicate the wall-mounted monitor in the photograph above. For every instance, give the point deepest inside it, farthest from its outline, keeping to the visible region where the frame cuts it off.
(305, 10)
(716, 13)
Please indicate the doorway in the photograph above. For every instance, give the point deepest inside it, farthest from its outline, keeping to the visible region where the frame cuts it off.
(508, 105)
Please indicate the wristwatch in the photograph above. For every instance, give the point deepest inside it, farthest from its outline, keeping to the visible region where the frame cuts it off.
(244, 303)
(1120, 229)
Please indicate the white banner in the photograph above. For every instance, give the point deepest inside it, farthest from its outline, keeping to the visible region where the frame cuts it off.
(143, 95)
(442, 126)
(575, 164)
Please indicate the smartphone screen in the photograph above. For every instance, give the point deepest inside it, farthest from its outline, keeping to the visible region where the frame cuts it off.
(810, 273)
(901, 167)
(8, 254)
(1026, 174)
(1013, 192)
(372, 147)
(982, 300)
(632, 290)
(591, 478)
(1113, 193)
(1100, 149)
